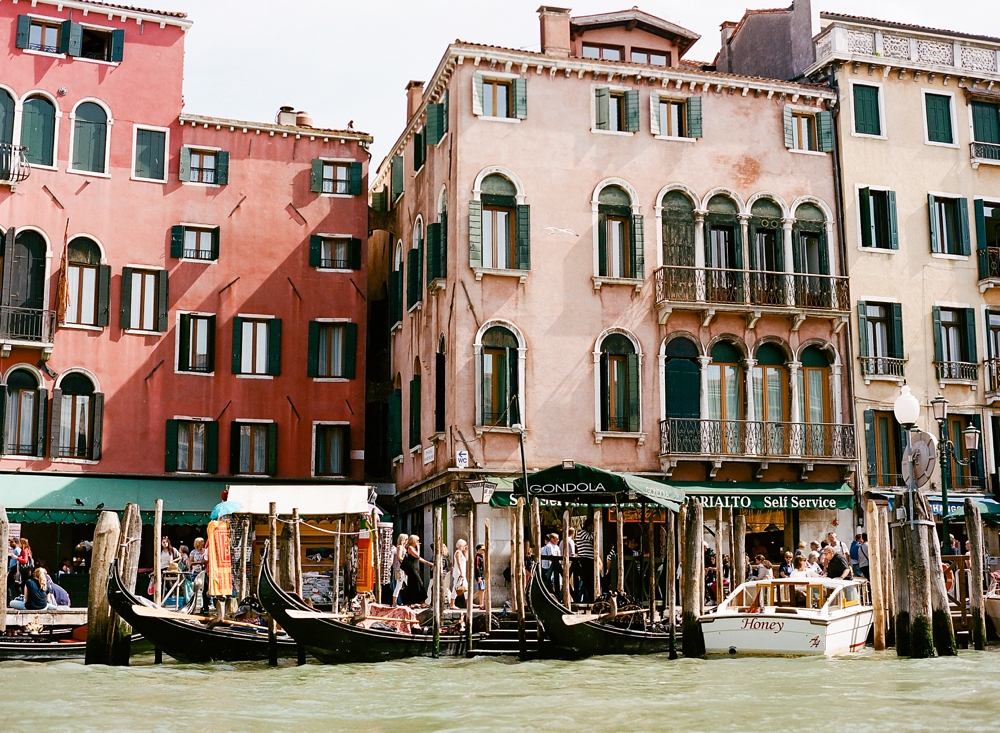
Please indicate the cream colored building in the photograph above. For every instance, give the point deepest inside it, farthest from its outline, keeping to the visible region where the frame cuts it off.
(918, 131)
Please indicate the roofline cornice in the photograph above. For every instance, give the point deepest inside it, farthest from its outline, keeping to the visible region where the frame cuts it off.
(139, 16)
(218, 123)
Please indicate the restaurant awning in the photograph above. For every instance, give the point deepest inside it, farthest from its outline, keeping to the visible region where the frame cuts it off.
(589, 485)
(989, 509)
(309, 499)
(769, 495)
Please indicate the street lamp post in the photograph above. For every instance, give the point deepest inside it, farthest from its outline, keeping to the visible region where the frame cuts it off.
(946, 451)
(907, 409)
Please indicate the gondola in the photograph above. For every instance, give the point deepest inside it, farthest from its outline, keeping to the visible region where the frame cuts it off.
(591, 638)
(335, 642)
(43, 648)
(190, 641)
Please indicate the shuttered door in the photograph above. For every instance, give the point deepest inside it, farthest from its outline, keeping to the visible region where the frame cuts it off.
(986, 125)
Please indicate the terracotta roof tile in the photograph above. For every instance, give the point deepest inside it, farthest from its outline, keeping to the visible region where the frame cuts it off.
(132, 8)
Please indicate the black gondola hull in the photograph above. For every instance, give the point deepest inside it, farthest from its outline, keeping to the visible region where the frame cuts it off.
(335, 642)
(188, 641)
(591, 638)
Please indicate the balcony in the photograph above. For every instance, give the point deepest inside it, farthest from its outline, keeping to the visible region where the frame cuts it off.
(26, 327)
(989, 268)
(985, 154)
(991, 375)
(881, 367)
(710, 290)
(956, 371)
(755, 441)
(14, 167)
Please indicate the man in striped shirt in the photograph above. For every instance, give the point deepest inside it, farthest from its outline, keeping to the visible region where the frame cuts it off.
(585, 560)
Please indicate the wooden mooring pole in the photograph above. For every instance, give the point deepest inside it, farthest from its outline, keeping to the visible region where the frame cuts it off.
(651, 535)
(518, 574)
(598, 515)
(885, 570)
(100, 621)
(942, 626)
(566, 561)
(437, 582)
(977, 600)
(693, 641)
(272, 566)
(128, 565)
(874, 571)
(901, 600)
(470, 576)
(336, 565)
(671, 573)
(536, 530)
(739, 553)
(620, 549)
(4, 542)
(487, 576)
(157, 570)
(918, 573)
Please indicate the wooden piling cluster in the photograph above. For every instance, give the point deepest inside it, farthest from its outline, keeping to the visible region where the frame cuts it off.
(692, 598)
(977, 599)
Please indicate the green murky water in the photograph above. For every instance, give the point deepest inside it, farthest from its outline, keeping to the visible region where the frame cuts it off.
(867, 692)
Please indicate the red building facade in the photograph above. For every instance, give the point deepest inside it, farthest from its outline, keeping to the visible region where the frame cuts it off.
(182, 295)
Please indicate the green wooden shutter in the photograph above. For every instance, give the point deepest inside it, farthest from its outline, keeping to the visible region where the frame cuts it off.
(23, 31)
(985, 122)
(356, 188)
(435, 123)
(354, 253)
(863, 329)
(890, 200)
(638, 247)
(443, 247)
(935, 228)
(632, 110)
(162, 300)
(170, 451)
(602, 245)
(824, 131)
(938, 109)
(796, 251)
(738, 236)
(54, 428)
(477, 94)
(212, 446)
(210, 356)
(315, 251)
(693, 107)
(866, 110)
(3, 418)
(184, 167)
(444, 113)
(316, 176)
(971, 352)
(117, 45)
(184, 339)
(503, 382)
(274, 347)
(420, 270)
(936, 325)
(177, 241)
(415, 411)
(896, 326)
(312, 359)
(977, 423)
(222, 167)
(71, 38)
(237, 345)
(97, 433)
(602, 98)
(433, 239)
(789, 127)
(475, 234)
(964, 243)
(980, 210)
(350, 350)
(103, 295)
(522, 228)
(41, 421)
(234, 448)
(633, 393)
(395, 441)
(126, 302)
(216, 236)
(870, 454)
(868, 235)
(513, 388)
(521, 98)
(419, 150)
(604, 395)
(412, 283)
(395, 297)
(272, 449)
(396, 170)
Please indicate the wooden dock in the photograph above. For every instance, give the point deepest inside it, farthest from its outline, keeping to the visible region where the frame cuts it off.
(62, 617)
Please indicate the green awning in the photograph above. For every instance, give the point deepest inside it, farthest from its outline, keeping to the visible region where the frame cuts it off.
(989, 511)
(589, 485)
(503, 494)
(769, 495)
(67, 499)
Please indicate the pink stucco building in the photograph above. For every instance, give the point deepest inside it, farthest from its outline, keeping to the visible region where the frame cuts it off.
(633, 256)
(182, 295)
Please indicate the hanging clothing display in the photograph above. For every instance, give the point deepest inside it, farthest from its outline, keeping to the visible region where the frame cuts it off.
(220, 563)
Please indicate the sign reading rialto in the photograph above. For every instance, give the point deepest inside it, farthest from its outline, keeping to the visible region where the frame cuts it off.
(773, 501)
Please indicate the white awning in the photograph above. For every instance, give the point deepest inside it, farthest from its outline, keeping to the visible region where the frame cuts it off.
(310, 500)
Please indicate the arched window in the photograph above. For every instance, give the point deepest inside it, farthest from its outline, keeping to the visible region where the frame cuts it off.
(437, 243)
(500, 378)
(6, 118)
(414, 266)
(725, 399)
(723, 252)
(90, 137)
(814, 385)
(88, 284)
(499, 203)
(27, 283)
(77, 418)
(396, 286)
(766, 254)
(27, 406)
(440, 384)
(619, 236)
(678, 229)
(619, 385)
(415, 425)
(682, 387)
(38, 130)
(812, 258)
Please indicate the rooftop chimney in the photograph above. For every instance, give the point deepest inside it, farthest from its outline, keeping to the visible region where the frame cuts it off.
(555, 30)
(302, 119)
(286, 116)
(414, 96)
(727, 30)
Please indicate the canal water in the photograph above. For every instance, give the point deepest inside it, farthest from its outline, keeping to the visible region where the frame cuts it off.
(867, 692)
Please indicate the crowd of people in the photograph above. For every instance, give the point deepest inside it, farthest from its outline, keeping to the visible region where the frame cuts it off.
(407, 582)
(188, 566)
(29, 587)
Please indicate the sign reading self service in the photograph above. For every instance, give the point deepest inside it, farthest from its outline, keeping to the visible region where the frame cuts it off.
(774, 501)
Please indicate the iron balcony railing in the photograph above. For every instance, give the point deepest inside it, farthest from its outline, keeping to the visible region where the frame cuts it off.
(881, 366)
(14, 166)
(27, 324)
(986, 151)
(750, 438)
(989, 263)
(991, 373)
(963, 370)
(684, 284)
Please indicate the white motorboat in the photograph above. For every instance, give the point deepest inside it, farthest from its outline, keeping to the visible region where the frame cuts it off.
(790, 617)
(993, 605)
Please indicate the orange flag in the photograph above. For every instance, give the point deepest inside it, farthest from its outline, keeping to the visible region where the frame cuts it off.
(62, 292)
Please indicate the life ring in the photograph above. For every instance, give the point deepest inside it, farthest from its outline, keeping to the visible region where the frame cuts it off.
(949, 576)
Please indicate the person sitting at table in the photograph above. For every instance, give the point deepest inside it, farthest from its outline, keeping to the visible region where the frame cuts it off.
(36, 594)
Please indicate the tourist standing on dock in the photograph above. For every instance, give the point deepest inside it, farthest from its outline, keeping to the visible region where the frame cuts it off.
(398, 576)
(551, 549)
(585, 560)
(838, 546)
(854, 553)
(812, 564)
(480, 576)
(786, 567)
(415, 591)
(863, 558)
(460, 576)
(836, 564)
(25, 561)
